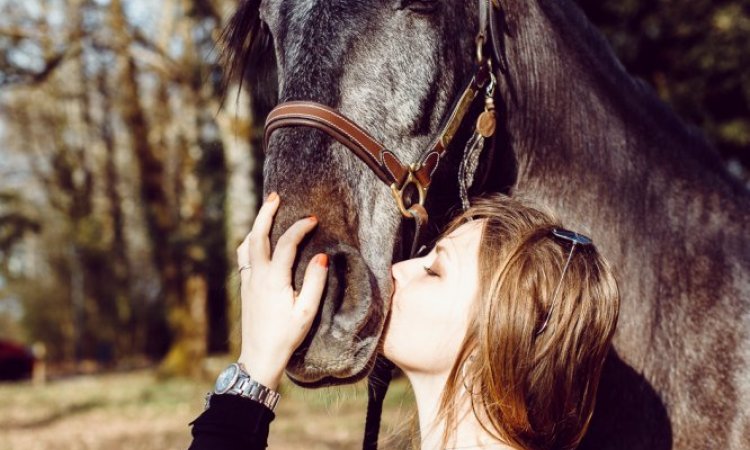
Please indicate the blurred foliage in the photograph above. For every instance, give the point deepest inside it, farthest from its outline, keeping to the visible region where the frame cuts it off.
(696, 53)
(14, 223)
(114, 231)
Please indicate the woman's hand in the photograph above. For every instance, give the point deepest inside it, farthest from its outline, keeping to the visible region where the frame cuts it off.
(275, 318)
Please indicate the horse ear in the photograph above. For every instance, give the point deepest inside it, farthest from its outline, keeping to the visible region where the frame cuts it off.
(244, 41)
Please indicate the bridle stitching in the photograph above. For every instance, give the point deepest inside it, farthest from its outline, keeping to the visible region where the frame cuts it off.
(432, 172)
(344, 132)
(383, 153)
(383, 149)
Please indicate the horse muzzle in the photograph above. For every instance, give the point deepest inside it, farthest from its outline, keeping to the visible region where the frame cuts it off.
(343, 341)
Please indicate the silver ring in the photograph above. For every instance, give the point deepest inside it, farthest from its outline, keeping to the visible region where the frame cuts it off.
(245, 267)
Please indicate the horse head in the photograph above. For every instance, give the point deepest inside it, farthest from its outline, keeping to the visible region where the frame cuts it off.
(394, 67)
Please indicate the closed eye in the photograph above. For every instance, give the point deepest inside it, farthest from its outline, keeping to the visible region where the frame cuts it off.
(430, 272)
(419, 6)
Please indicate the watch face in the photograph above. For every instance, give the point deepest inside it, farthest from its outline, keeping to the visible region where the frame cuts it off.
(226, 379)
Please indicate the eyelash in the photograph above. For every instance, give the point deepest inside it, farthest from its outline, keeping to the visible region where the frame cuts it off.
(430, 272)
(419, 6)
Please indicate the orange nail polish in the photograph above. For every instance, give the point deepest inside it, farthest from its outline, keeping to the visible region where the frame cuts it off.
(313, 218)
(322, 260)
(272, 197)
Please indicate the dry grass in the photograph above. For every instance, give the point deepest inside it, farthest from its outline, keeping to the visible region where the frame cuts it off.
(135, 411)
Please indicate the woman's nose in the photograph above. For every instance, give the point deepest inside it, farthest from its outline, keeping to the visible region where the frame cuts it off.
(405, 270)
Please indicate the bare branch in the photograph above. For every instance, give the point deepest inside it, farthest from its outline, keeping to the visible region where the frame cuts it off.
(19, 33)
(28, 78)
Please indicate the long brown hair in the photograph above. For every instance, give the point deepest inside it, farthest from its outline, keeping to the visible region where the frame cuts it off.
(528, 389)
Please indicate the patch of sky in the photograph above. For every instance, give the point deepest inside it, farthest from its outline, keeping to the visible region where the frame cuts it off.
(13, 9)
(55, 14)
(27, 56)
(176, 48)
(143, 14)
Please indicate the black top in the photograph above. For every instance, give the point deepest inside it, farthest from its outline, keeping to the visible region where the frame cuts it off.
(232, 422)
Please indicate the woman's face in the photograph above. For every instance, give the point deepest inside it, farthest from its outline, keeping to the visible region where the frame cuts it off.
(432, 298)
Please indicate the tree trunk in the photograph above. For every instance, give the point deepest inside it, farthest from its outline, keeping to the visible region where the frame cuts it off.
(186, 349)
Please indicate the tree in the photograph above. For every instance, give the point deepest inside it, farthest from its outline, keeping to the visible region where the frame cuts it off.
(128, 147)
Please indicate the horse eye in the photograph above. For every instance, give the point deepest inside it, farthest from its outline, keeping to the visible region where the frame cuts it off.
(419, 6)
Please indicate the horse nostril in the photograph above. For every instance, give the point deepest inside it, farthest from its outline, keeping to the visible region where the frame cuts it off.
(349, 292)
(339, 268)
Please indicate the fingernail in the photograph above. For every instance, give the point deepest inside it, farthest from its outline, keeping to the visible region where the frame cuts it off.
(322, 260)
(313, 218)
(272, 197)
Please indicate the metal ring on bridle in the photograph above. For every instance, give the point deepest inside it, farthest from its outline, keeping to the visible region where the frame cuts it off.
(398, 192)
(480, 48)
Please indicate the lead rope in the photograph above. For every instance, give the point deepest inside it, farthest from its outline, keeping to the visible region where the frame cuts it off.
(377, 386)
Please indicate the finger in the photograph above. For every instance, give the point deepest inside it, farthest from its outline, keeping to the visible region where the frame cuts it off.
(259, 248)
(243, 252)
(286, 247)
(308, 300)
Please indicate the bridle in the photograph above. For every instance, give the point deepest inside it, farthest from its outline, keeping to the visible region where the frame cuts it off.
(383, 162)
(398, 175)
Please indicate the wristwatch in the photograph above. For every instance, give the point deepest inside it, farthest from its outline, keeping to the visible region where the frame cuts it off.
(236, 381)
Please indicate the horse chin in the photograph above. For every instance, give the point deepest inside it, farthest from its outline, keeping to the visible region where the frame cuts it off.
(307, 375)
(333, 367)
(312, 381)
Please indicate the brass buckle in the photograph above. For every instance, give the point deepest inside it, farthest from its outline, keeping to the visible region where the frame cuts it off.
(398, 192)
(480, 40)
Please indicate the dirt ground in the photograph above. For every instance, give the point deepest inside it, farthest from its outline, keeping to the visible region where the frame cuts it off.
(136, 411)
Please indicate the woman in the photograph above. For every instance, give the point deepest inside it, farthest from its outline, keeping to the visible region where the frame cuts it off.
(502, 330)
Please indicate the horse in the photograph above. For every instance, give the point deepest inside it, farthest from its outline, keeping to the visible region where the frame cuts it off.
(574, 132)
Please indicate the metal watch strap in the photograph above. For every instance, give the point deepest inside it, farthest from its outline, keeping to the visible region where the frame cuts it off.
(249, 388)
(242, 384)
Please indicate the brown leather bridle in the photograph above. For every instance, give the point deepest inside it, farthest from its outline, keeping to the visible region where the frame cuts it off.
(392, 171)
(383, 162)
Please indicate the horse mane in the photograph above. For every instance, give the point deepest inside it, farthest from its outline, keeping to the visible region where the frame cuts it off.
(247, 44)
(584, 39)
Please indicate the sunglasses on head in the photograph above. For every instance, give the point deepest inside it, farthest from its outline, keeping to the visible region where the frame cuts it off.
(575, 239)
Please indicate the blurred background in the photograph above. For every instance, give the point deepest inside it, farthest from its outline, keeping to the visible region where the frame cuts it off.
(129, 174)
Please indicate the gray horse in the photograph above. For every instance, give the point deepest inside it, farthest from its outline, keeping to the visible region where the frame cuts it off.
(576, 133)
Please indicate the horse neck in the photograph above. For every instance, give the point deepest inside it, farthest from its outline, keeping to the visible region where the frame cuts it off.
(581, 127)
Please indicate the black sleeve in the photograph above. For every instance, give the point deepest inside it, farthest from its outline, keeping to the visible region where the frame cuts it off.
(232, 422)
